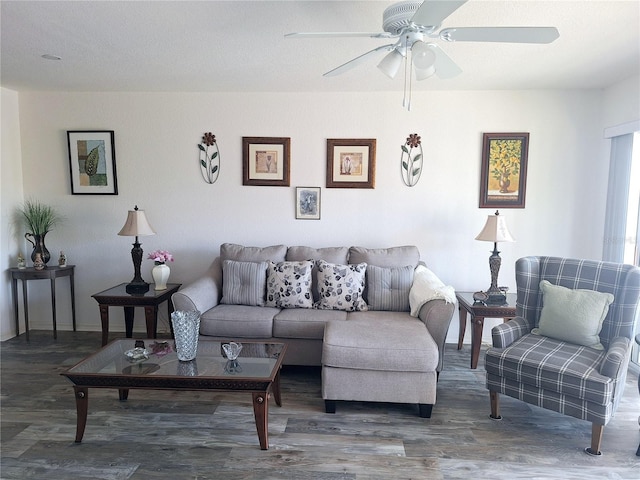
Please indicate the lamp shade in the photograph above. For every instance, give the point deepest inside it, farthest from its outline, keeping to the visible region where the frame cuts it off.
(495, 230)
(136, 224)
(391, 63)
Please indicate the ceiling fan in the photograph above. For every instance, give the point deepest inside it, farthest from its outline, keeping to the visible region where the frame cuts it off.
(415, 25)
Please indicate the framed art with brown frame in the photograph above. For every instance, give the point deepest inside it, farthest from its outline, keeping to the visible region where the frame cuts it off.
(92, 162)
(351, 163)
(503, 178)
(266, 161)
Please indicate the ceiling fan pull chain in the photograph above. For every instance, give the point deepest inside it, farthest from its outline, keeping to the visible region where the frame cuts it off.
(406, 66)
(410, 82)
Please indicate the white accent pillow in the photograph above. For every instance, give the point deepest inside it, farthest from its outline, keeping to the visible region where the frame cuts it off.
(426, 287)
(340, 287)
(289, 284)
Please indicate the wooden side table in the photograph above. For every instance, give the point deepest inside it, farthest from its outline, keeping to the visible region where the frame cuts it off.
(478, 312)
(118, 297)
(51, 273)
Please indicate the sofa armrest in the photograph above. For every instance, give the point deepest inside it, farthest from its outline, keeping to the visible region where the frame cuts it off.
(436, 315)
(506, 333)
(203, 294)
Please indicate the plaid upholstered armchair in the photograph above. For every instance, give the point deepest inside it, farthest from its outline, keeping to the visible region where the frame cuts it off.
(553, 354)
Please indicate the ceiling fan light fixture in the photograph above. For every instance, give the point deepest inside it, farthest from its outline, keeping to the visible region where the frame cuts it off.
(422, 56)
(391, 63)
(424, 73)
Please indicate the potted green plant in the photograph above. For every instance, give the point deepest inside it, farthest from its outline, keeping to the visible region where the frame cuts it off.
(39, 219)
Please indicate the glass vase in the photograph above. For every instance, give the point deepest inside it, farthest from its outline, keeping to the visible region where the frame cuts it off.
(186, 328)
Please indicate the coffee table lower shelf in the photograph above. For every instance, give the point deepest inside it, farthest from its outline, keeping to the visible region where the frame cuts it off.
(109, 368)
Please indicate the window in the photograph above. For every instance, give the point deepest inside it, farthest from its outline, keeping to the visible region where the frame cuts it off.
(623, 204)
(631, 246)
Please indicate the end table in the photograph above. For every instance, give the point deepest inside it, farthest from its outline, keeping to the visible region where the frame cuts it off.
(478, 312)
(118, 297)
(51, 273)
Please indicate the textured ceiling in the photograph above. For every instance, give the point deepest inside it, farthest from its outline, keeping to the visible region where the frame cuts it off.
(199, 46)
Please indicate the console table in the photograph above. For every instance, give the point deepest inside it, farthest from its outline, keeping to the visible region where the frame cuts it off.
(118, 297)
(479, 311)
(51, 273)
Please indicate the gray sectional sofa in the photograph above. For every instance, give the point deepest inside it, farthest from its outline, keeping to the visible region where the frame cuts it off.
(380, 322)
(240, 316)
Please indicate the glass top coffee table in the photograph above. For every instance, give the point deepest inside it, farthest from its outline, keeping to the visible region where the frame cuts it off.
(256, 370)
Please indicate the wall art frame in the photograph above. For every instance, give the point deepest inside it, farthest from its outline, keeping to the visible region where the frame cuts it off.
(351, 163)
(308, 203)
(503, 176)
(266, 161)
(92, 162)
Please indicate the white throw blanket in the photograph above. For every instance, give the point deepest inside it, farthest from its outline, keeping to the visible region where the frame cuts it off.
(427, 286)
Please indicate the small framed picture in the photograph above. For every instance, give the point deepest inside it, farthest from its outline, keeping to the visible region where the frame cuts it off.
(265, 161)
(308, 203)
(503, 177)
(351, 163)
(92, 162)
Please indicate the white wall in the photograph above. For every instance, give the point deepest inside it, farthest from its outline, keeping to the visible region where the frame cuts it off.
(10, 196)
(156, 137)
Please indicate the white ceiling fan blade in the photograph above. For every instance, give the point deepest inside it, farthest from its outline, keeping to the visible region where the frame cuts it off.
(356, 61)
(338, 34)
(433, 12)
(500, 34)
(445, 67)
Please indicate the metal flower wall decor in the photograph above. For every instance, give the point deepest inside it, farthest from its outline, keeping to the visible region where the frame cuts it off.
(209, 158)
(411, 160)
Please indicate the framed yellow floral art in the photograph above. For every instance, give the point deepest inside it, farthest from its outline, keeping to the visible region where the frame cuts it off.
(503, 178)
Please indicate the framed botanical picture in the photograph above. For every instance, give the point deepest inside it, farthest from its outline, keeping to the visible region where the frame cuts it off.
(265, 161)
(92, 162)
(503, 178)
(351, 163)
(308, 203)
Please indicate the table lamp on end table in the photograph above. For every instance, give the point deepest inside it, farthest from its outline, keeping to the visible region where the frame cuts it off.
(136, 225)
(495, 230)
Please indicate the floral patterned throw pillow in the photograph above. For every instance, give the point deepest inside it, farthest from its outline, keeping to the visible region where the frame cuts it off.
(340, 287)
(289, 284)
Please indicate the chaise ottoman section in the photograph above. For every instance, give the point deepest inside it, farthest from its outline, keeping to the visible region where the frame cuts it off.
(375, 357)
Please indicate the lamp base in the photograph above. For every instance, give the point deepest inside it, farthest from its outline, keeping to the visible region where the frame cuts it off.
(137, 288)
(496, 298)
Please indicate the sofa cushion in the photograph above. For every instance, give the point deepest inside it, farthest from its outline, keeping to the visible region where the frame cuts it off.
(387, 341)
(328, 254)
(385, 257)
(243, 282)
(573, 316)
(388, 288)
(309, 324)
(340, 287)
(554, 366)
(289, 284)
(238, 321)
(232, 251)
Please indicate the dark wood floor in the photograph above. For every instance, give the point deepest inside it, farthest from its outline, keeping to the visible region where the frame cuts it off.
(158, 435)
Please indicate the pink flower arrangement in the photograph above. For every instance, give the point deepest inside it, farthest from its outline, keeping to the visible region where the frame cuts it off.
(160, 257)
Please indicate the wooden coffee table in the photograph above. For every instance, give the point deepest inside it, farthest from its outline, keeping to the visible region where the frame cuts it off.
(256, 371)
